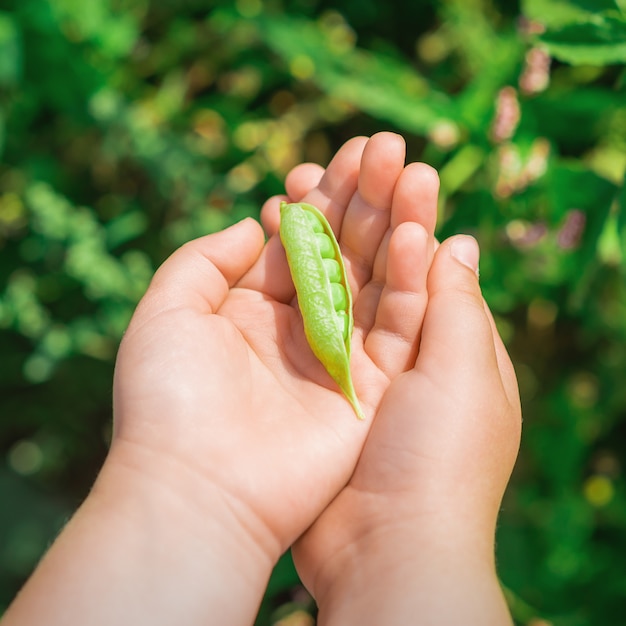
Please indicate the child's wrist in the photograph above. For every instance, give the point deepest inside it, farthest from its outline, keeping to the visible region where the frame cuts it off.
(191, 526)
(143, 549)
(187, 492)
(397, 573)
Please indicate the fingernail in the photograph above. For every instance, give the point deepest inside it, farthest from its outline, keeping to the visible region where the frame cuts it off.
(465, 250)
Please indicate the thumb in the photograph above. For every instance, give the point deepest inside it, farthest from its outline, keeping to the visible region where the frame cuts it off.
(457, 327)
(200, 273)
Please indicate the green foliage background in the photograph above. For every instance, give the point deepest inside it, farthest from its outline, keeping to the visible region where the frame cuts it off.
(130, 126)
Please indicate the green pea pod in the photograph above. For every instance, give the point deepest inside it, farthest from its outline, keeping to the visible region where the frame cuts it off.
(324, 296)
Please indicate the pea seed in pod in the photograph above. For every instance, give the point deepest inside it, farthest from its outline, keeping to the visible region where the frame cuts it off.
(333, 270)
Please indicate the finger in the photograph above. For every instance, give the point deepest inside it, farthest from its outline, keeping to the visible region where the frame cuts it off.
(367, 218)
(270, 274)
(415, 199)
(394, 339)
(459, 339)
(462, 309)
(381, 165)
(302, 179)
(200, 273)
(270, 214)
(339, 182)
(368, 297)
(456, 329)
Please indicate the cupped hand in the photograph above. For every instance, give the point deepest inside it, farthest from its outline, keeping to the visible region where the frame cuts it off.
(433, 471)
(217, 395)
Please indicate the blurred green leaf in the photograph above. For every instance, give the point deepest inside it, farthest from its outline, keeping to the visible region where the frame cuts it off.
(621, 221)
(573, 186)
(554, 13)
(10, 51)
(378, 84)
(599, 41)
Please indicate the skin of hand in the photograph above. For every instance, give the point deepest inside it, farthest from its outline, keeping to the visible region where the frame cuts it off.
(412, 534)
(215, 370)
(229, 436)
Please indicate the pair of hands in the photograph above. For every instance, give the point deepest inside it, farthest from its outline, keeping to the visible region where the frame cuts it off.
(214, 372)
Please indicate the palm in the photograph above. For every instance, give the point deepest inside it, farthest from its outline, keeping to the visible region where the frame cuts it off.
(237, 392)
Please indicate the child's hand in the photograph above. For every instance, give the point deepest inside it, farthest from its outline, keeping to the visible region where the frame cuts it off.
(218, 398)
(214, 375)
(413, 532)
